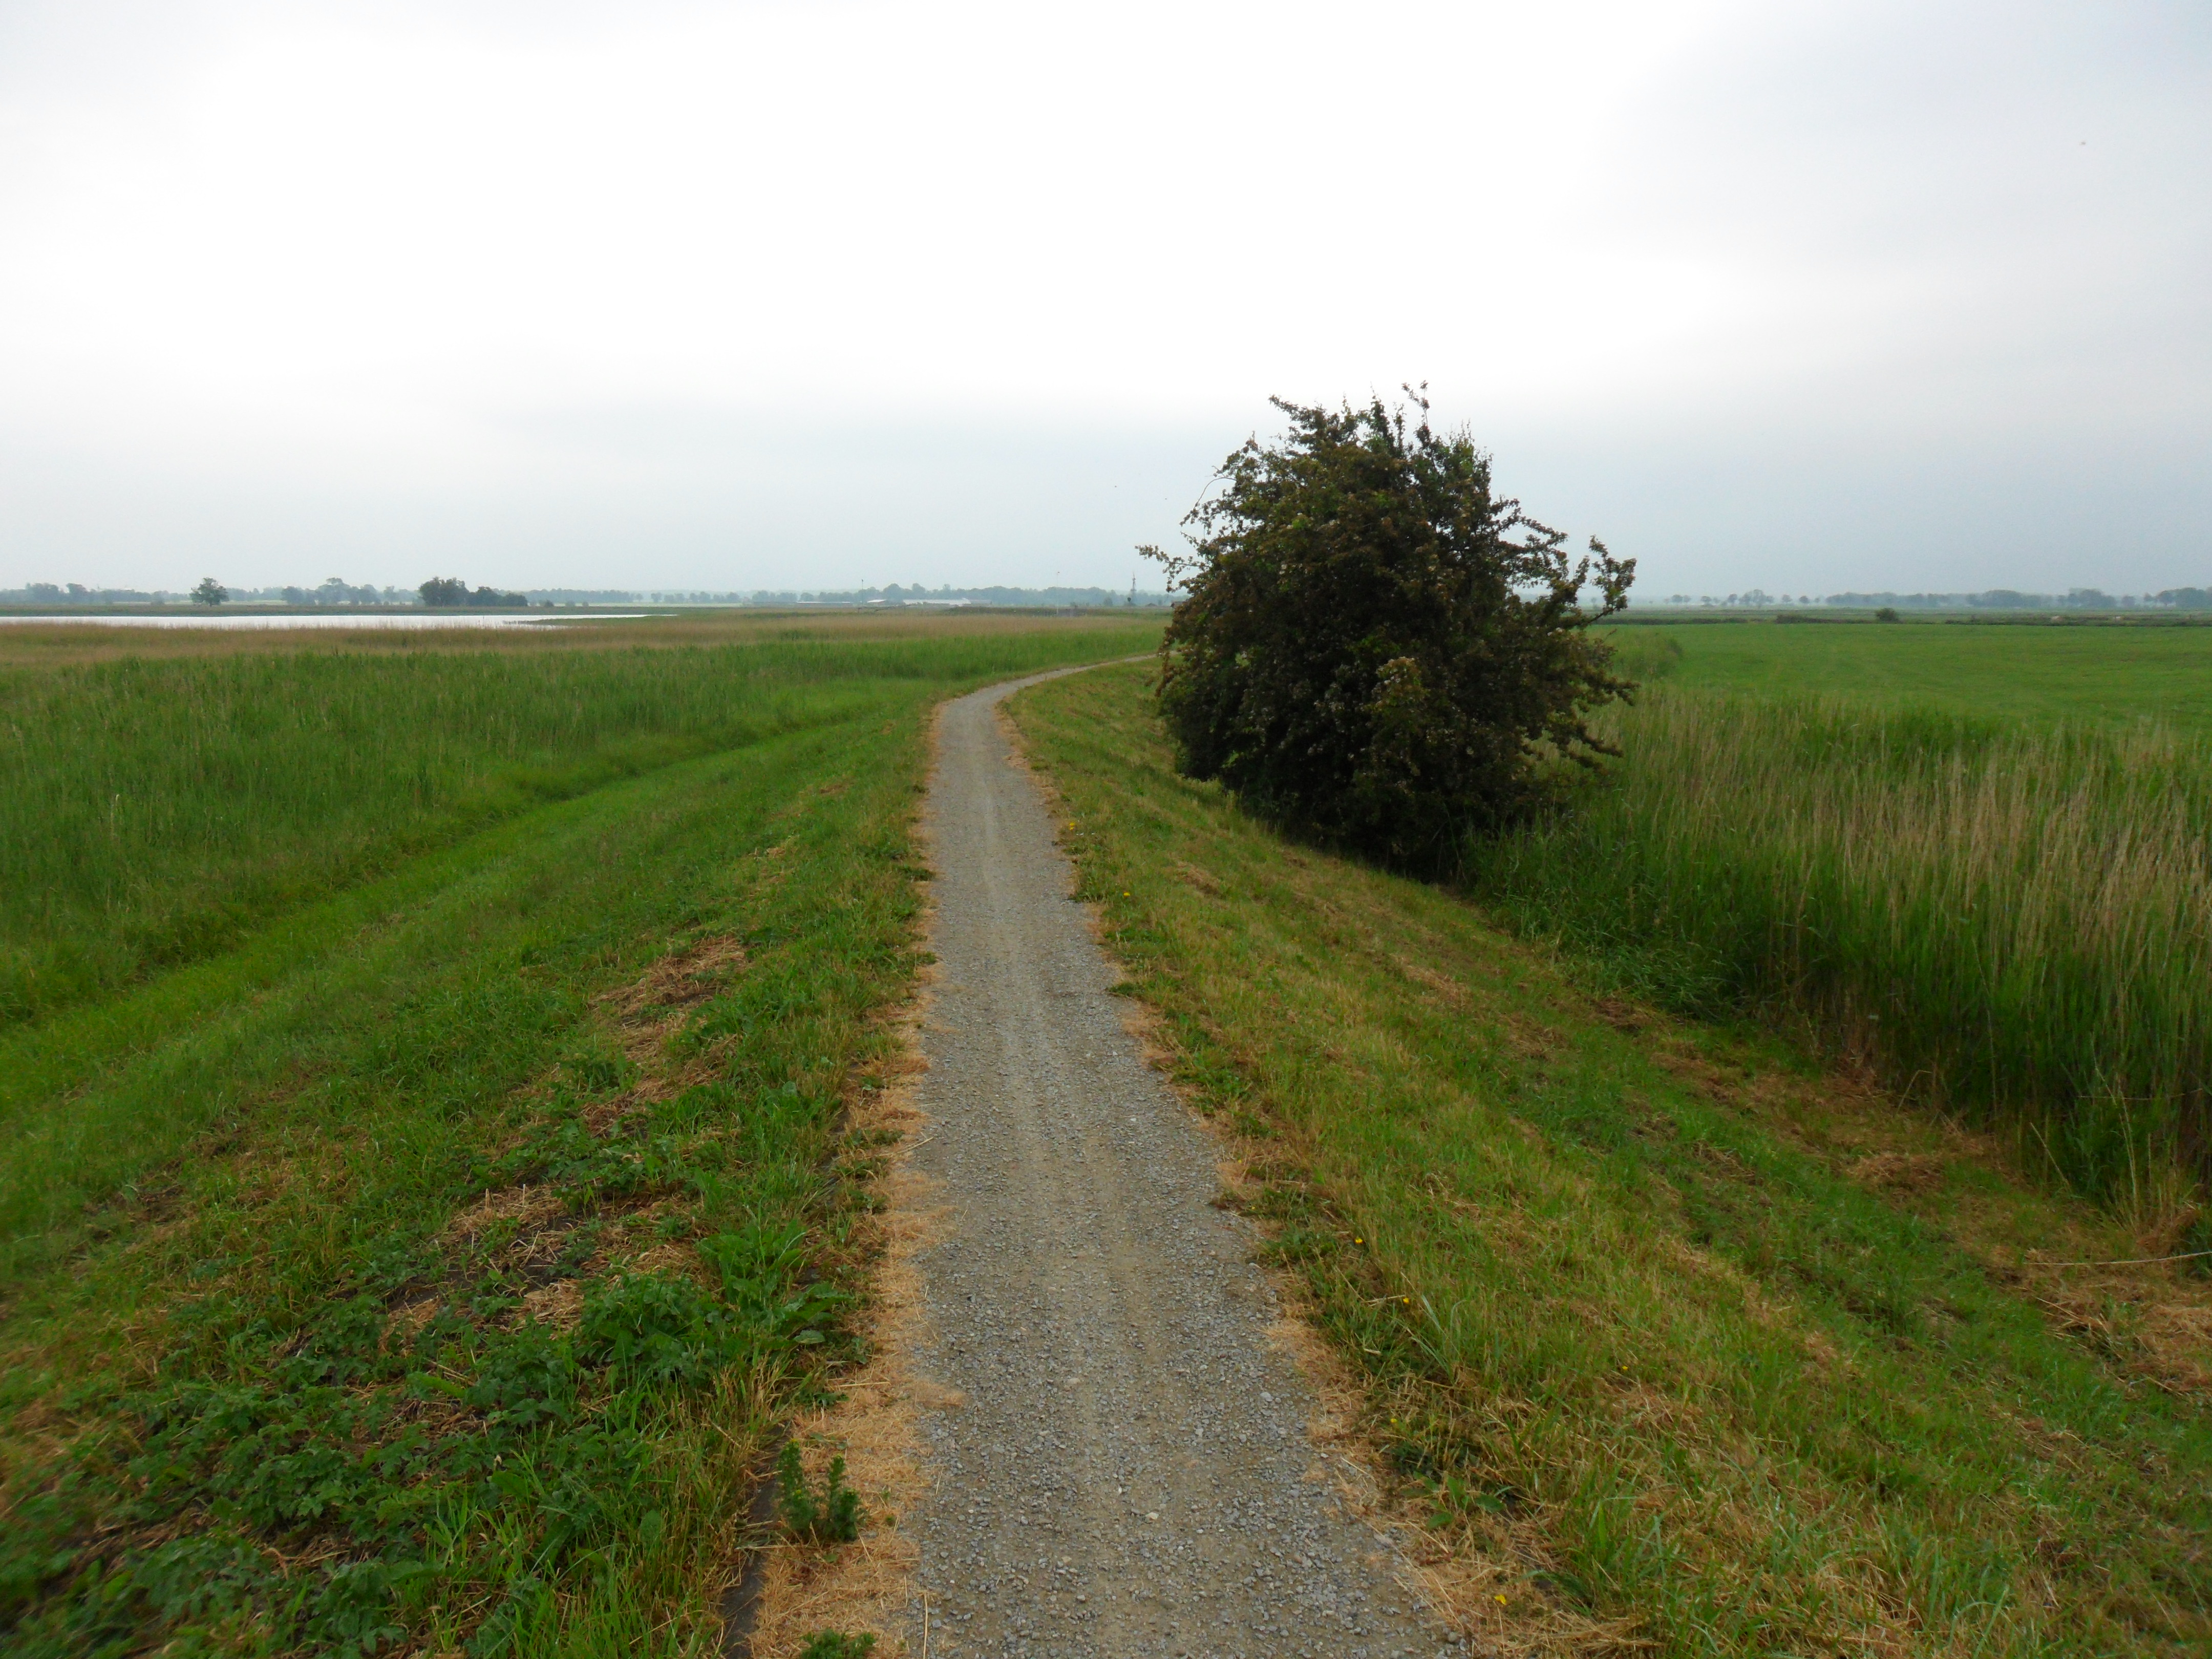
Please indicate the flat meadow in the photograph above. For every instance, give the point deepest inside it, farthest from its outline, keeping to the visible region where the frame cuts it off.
(2076, 672)
(423, 1067)
(1976, 858)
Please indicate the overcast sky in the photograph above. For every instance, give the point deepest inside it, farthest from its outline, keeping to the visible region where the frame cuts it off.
(657, 294)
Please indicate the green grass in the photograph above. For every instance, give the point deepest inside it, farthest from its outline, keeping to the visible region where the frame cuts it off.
(155, 809)
(2105, 674)
(427, 1268)
(1673, 1340)
(2010, 914)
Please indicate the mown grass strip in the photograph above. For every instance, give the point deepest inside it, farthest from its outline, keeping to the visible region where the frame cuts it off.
(1661, 1370)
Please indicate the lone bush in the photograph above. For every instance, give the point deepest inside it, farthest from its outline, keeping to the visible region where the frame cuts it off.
(1374, 648)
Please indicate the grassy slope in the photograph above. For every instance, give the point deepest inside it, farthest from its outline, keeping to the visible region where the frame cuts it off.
(2079, 673)
(1681, 1340)
(427, 1270)
(155, 809)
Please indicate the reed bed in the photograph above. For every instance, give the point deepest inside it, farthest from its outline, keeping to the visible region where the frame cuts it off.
(2012, 921)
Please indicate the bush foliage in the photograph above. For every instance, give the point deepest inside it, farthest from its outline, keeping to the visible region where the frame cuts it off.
(1373, 647)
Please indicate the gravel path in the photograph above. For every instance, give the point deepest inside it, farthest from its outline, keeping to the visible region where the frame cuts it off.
(1129, 1472)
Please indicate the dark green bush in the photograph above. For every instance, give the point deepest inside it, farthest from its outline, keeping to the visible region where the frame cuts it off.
(1373, 647)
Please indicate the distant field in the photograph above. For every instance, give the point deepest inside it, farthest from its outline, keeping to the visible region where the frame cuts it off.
(1978, 857)
(2076, 672)
(413, 1229)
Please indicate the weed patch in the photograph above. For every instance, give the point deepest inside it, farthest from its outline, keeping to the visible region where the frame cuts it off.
(827, 1513)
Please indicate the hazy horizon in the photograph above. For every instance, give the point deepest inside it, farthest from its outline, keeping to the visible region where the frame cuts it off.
(682, 296)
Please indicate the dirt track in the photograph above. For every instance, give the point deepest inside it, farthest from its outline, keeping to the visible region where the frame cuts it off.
(1124, 1467)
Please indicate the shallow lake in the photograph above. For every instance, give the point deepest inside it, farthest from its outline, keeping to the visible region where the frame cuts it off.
(371, 619)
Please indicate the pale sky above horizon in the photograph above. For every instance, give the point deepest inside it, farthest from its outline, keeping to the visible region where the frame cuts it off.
(673, 294)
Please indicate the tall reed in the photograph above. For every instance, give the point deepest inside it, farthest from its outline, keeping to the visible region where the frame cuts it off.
(2013, 920)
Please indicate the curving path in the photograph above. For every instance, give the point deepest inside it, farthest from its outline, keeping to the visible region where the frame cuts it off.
(1128, 1472)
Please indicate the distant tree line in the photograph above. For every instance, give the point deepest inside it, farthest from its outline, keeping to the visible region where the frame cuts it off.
(335, 590)
(450, 593)
(77, 593)
(443, 591)
(1996, 599)
(2006, 599)
(916, 593)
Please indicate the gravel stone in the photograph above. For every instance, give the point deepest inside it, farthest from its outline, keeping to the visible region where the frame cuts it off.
(1129, 1472)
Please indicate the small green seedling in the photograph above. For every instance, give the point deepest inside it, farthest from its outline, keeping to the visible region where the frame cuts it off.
(831, 1518)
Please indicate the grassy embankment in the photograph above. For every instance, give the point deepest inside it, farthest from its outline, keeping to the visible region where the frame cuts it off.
(1678, 1341)
(1970, 856)
(421, 1264)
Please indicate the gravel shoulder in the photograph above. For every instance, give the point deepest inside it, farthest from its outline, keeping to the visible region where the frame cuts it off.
(1118, 1454)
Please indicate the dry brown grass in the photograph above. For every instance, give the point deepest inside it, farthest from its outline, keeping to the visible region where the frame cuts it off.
(647, 1013)
(532, 1225)
(678, 982)
(867, 1585)
(1900, 1172)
